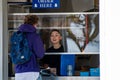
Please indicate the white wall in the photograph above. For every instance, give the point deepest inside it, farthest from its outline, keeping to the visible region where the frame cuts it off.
(1, 49)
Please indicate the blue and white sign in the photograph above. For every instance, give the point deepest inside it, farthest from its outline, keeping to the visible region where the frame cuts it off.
(46, 3)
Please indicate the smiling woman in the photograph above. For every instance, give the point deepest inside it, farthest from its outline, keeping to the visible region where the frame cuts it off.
(53, 61)
(55, 37)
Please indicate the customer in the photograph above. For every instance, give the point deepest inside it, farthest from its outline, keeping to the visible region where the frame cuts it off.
(30, 70)
(53, 61)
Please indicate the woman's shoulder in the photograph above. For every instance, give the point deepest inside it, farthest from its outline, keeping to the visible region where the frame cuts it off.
(61, 48)
(50, 49)
(34, 35)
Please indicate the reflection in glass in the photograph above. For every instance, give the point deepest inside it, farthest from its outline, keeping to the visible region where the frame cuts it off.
(80, 32)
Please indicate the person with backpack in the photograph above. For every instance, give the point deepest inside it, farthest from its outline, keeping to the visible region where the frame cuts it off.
(29, 70)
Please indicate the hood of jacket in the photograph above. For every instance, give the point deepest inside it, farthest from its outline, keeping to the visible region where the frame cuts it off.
(27, 28)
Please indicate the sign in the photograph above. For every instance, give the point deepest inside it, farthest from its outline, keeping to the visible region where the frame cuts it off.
(46, 3)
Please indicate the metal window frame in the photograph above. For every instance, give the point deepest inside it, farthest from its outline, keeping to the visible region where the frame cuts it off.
(3, 41)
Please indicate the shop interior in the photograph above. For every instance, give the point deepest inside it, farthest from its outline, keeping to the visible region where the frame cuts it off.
(80, 30)
(80, 34)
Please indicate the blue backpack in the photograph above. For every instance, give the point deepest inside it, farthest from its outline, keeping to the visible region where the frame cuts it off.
(20, 52)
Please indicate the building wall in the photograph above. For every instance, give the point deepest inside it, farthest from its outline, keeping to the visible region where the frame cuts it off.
(3, 41)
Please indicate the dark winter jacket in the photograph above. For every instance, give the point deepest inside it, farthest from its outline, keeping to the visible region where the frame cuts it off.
(36, 45)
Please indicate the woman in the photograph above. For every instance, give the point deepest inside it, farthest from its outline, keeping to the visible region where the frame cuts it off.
(53, 61)
(30, 70)
(55, 38)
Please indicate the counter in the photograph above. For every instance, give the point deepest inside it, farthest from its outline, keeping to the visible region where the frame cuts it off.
(72, 78)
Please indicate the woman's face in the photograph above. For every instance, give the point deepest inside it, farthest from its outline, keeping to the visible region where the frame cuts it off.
(55, 37)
